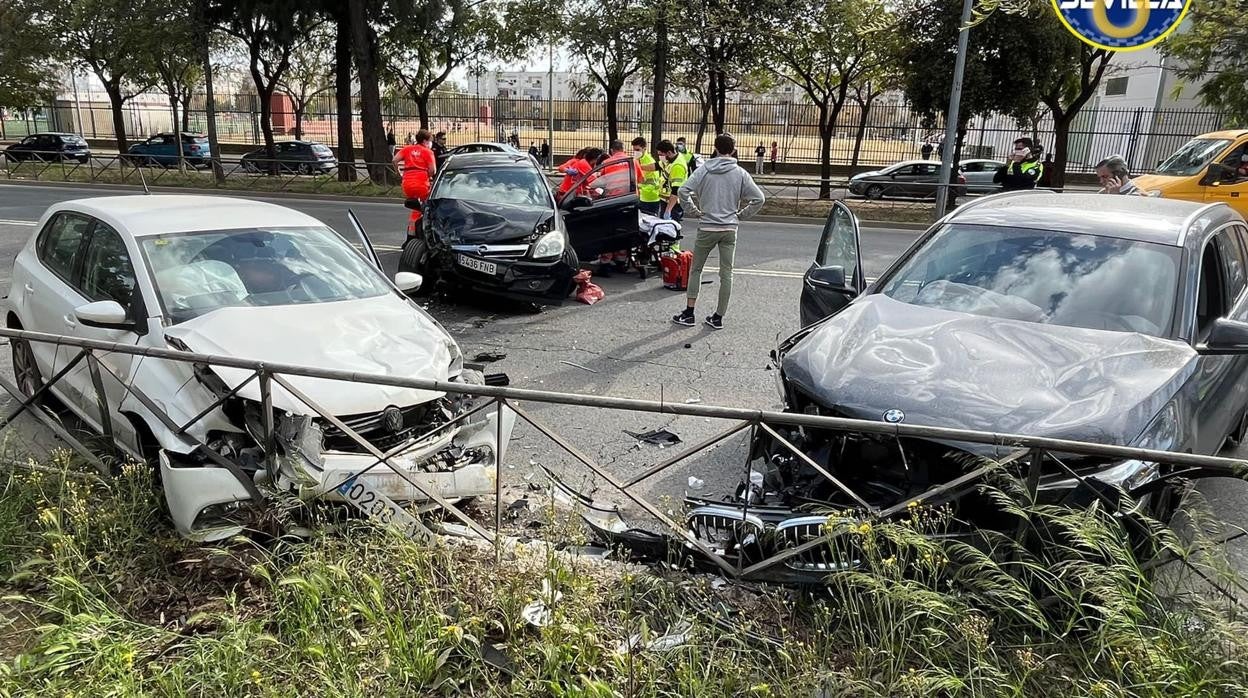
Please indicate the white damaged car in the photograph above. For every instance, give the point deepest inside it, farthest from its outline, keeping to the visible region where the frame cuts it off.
(248, 280)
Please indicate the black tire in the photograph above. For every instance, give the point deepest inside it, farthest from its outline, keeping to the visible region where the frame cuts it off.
(415, 258)
(305, 169)
(570, 258)
(25, 370)
(875, 192)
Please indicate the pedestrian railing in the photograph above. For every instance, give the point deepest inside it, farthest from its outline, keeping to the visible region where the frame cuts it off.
(1025, 456)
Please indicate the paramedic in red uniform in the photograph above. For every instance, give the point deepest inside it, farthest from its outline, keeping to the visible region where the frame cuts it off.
(417, 163)
(613, 180)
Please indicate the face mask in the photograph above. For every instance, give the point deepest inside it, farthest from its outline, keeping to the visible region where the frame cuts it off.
(680, 147)
(636, 153)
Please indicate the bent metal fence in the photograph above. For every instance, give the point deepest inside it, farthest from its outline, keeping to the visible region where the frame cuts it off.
(1026, 454)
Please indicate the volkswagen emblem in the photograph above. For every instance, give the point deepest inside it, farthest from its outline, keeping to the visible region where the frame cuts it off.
(392, 419)
(894, 416)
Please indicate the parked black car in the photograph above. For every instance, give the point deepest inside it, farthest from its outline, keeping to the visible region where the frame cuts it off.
(492, 224)
(304, 157)
(49, 147)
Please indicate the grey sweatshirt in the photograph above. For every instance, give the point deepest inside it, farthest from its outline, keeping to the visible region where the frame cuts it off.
(721, 185)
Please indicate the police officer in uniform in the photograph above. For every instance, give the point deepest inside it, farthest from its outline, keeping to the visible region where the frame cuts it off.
(1023, 169)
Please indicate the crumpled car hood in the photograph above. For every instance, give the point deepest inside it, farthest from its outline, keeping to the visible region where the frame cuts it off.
(381, 335)
(456, 221)
(957, 370)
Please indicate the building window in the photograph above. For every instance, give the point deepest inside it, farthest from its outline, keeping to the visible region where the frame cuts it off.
(1115, 86)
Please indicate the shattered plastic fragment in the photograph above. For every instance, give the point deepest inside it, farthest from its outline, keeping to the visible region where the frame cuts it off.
(486, 357)
(695, 483)
(539, 613)
(657, 437)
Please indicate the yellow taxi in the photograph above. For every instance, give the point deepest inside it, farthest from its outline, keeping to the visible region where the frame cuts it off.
(1211, 167)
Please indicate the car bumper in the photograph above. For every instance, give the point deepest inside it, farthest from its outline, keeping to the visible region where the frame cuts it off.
(196, 494)
(519, 279)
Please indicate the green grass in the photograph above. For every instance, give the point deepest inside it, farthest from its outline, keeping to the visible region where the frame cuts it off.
(102, 600)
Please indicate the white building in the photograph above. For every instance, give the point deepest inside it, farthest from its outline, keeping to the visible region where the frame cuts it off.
(1143, 111)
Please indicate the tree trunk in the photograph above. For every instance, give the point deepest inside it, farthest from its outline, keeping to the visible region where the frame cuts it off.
(422, 108)
(659, 100)
(364, 49)
(613, 122)
(706, 111)
(210, 107)
(827, 126)
(299, 110)
(117, 102)
(1061, 143)
(173, 107)
(266, 121)
(719, 101)
(864, 110)
(342, 98)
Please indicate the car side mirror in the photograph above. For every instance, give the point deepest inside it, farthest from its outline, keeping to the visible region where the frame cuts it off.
(414, 204)
(1214, 175)
(108, 315)
(576, 203)
(408, 282)
(1226, 337)
(830, 277)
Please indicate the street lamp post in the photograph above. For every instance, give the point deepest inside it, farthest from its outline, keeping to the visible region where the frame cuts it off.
(951, 118)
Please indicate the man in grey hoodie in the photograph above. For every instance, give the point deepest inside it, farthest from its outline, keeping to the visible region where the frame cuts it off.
(720, 188)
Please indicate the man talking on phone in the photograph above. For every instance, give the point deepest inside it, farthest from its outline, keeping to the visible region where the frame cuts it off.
(1023, 169)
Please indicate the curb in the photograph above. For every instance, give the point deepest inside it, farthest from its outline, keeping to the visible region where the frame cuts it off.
(381, 201)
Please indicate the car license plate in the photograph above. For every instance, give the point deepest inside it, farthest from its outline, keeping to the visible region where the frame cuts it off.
(360, 493)
(477, 264)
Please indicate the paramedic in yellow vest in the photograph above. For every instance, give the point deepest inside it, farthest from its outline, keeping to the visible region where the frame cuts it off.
(649, 189)
(674, 173)
(1023, 169)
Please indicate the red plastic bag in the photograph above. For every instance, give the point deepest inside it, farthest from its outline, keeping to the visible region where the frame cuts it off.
(586, 291)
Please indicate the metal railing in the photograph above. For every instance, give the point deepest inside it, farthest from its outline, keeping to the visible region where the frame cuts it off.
(787, 195)
(1027, 455)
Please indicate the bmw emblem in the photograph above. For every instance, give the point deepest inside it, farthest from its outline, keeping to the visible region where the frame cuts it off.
(392, 418)
(894, 416)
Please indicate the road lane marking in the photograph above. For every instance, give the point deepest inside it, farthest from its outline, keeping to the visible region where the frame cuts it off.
(14, 222)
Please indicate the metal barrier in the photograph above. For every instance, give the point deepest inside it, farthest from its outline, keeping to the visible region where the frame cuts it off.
(1030, 451)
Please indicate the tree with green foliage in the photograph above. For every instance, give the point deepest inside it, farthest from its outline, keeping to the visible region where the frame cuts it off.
(269, 31)
(117, 40)
(997, 73)
(1213, 50)
(420, 57)
(27, 56)
(178, 66)
(825, 49)
(311, 72)
(721, 39)
(606, 39)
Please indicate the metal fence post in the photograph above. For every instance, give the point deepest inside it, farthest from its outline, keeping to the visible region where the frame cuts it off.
(266, 406)
(101, 399)
(498, 480)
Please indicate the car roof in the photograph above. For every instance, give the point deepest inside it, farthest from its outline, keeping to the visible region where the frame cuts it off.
(54, 133)
(493, 159)
(1142, 218)
(1229, 134)
(154, 214)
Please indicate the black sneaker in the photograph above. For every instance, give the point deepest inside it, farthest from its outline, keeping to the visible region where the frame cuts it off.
(685, 318)
(715, 322)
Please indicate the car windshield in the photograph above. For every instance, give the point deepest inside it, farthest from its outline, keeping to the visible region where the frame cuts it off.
(1069, 279)
(518, 186)
(1193, 157)
(196, 273)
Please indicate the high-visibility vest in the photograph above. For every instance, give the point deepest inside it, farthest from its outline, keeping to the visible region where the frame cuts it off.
(650, 188)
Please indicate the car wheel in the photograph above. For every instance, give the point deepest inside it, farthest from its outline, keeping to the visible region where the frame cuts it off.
(305, 169)
(415, 258)
(25, 370)
(570, 258)
(250, 167)
(875, 191)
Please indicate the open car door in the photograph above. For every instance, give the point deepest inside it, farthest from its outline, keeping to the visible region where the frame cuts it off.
(835, 278)
(600, 210)
(360, 240)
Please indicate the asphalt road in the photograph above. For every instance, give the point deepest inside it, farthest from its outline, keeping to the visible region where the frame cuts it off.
(623, 346)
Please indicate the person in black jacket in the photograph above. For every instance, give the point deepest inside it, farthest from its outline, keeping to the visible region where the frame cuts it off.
(1023, 169)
